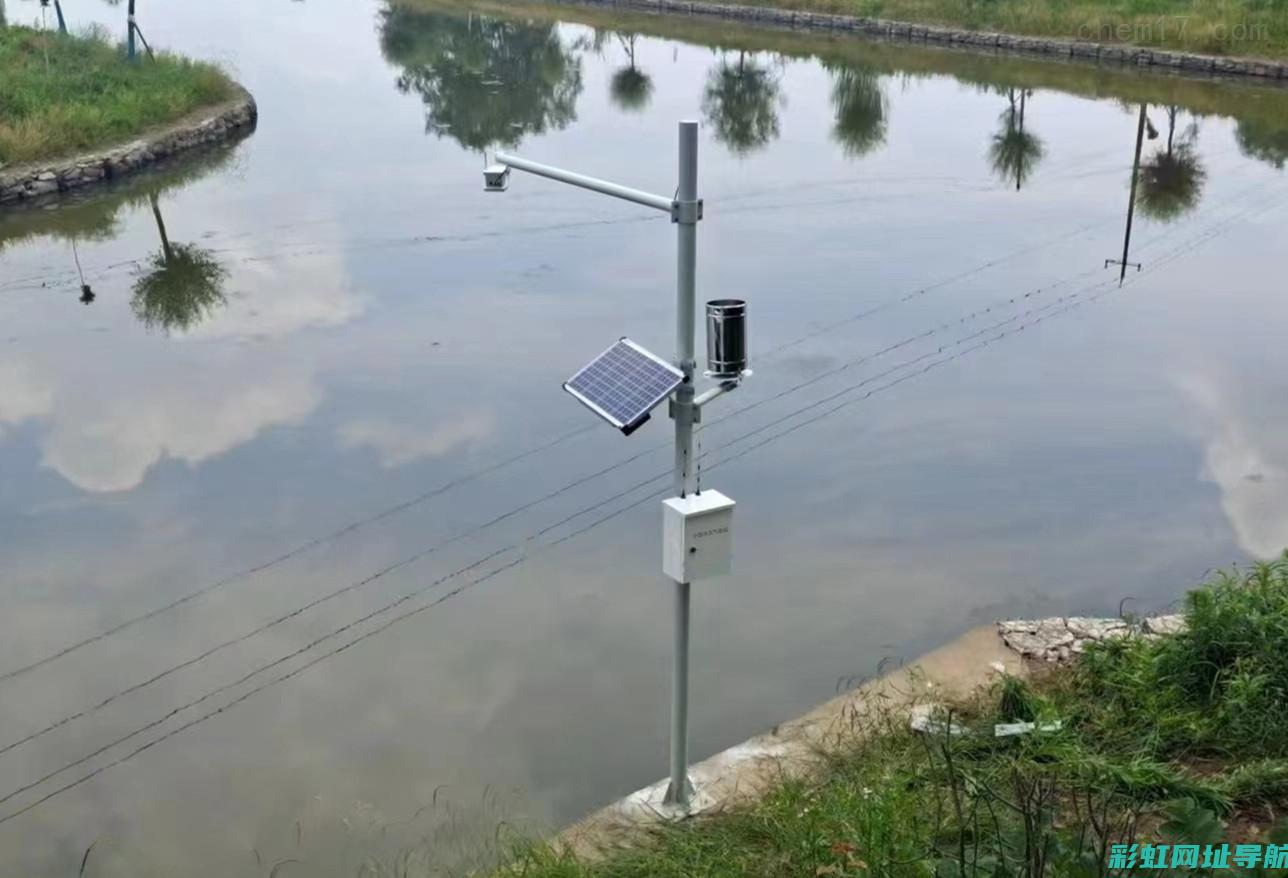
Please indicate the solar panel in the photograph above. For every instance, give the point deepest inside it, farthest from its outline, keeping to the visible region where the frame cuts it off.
(623, 384)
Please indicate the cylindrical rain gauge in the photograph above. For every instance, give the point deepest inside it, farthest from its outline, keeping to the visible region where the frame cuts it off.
(726, 338)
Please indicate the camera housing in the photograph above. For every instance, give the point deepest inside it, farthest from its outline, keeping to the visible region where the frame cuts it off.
(496, 178)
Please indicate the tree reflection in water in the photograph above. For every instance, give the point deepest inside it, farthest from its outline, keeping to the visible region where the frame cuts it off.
(484, 81)
(180, 286)
(631, 88)
(741, 103)
(861, 109)
(1265, 141)
(1171, 180)
(1014, 151)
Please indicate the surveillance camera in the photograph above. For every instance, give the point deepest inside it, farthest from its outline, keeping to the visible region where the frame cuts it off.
(496, 178)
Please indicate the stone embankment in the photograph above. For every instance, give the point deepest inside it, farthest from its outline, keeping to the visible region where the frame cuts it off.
(212, 124)
(1062, 639)
(1080, 50)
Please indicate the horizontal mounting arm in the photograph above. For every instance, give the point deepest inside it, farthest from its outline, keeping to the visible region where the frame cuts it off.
(719, 390)
(657, 202)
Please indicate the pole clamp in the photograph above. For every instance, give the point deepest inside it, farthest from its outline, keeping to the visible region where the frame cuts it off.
(695, 413)
(687, 212)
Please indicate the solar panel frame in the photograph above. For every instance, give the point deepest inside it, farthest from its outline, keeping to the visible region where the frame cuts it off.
(624, 383)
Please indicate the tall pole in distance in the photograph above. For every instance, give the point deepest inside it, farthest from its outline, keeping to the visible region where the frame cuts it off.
(678, 792)
(129, 39)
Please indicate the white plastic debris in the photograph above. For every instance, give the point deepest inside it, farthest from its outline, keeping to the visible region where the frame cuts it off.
(925, 721)
(1006, 730)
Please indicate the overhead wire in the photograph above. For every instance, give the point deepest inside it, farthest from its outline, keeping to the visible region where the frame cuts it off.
(1185, 248)
(1105, 291)
(42, 282)
(468, 532)
(330, 537)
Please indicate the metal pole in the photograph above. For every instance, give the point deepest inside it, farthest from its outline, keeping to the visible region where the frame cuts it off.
(130, 31)
(679, 790)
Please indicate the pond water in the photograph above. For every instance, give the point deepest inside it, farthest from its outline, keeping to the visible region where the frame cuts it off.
(320, 369)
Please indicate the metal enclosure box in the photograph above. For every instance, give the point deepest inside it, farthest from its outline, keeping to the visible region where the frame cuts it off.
(697, 536)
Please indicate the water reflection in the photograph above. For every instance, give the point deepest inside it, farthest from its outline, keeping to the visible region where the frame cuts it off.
(326, 370)
(1171, 181)
(177, 287)
(861, 109)
(1142, 124)
(741, 102)
(1015, 152)
(1264, 140)
(180, 286)
(631, 88)
(485, 81)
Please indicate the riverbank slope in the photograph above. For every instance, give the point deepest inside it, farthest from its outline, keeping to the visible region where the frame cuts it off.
(1168, 735)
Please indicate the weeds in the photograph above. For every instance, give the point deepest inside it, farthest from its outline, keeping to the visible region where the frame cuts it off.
(1218, 689)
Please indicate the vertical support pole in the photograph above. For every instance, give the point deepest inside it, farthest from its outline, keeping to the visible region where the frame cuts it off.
(62, 22)
(679, 790)
(130, 36)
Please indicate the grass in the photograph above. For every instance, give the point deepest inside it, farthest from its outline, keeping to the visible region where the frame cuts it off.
(1180, 740)
(1219, 689)
(65, 94)
(1239, 28)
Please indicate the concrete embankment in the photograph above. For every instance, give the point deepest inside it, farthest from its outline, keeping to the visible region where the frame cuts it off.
(796, 749)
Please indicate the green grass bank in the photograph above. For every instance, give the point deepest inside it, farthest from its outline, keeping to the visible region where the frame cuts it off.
(1234, 28)
(1180, 741)
(65, 94)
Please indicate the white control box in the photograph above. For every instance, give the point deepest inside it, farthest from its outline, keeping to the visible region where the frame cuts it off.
(697, 536)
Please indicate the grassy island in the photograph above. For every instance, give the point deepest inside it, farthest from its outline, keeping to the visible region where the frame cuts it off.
(64, 94)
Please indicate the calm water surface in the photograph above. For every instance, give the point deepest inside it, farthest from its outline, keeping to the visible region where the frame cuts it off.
(310, 356)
